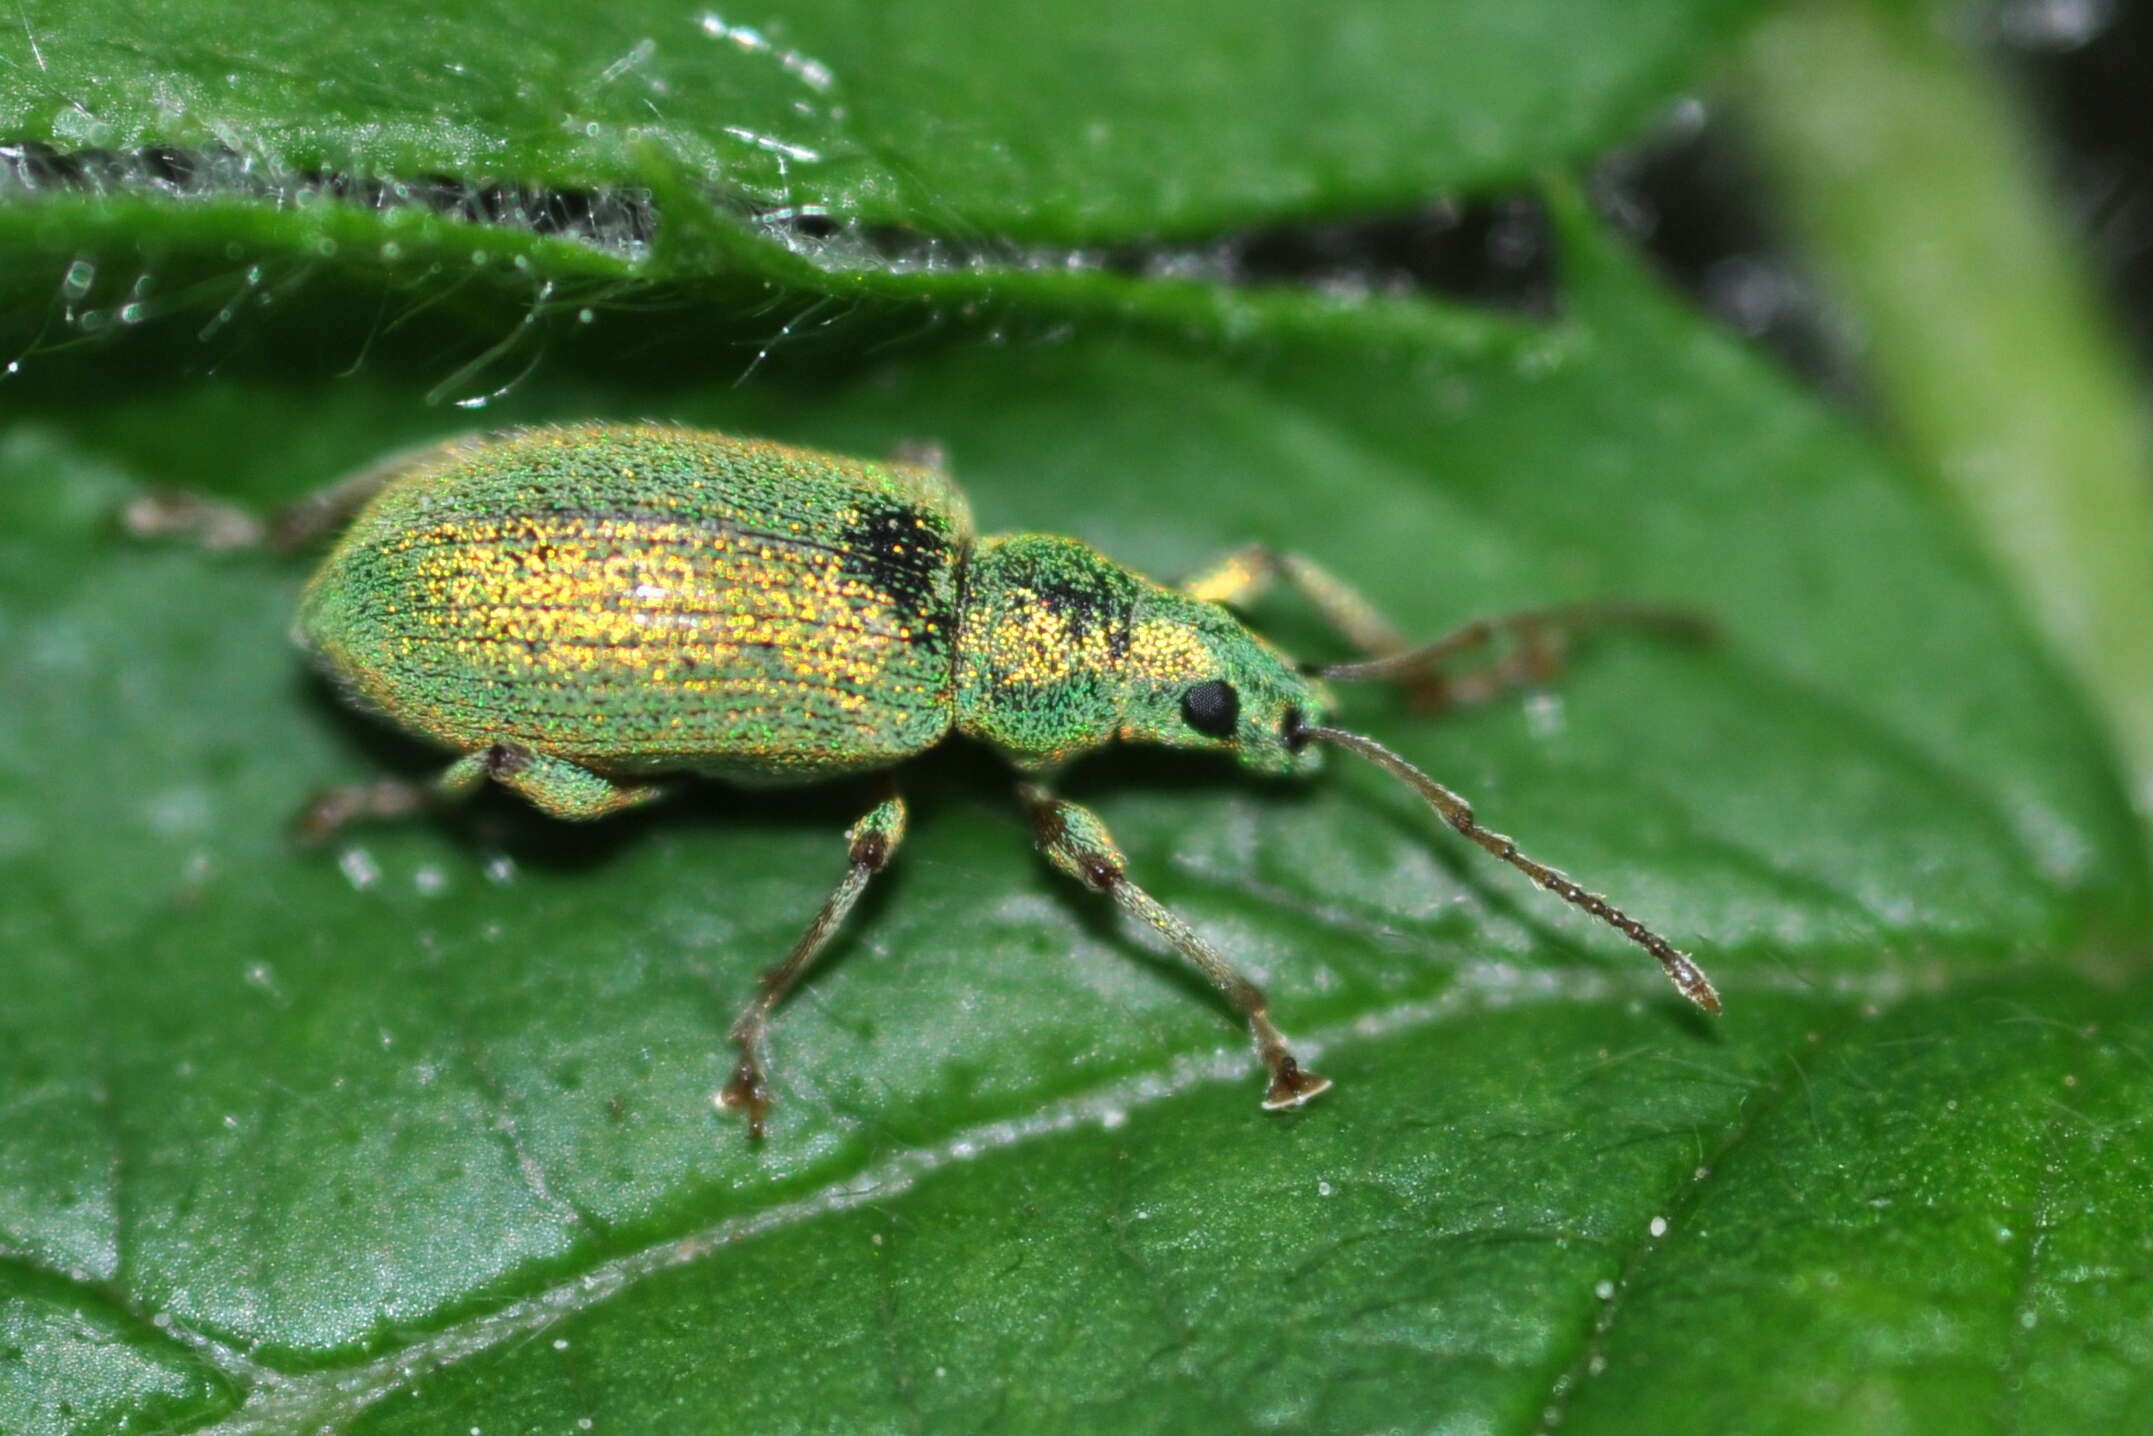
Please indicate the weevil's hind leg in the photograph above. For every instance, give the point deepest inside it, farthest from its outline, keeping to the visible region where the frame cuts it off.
(921, 454)
(219, 526)
(553, 785)
(1540, 641)
(872, 839)
(1242, 576)
(324, 511)
(1076, 842)
(179, 516)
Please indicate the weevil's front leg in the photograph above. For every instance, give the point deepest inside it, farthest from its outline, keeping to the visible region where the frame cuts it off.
(1075, 841)
(1242, 576)
(1540, 640)
(214, 524)
(553, 785)
(1541, 637)
(873, 838)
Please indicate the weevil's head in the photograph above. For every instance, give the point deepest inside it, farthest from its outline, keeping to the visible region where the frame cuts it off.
(1197, 677)
(1062, 651)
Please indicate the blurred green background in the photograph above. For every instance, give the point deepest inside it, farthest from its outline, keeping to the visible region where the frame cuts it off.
(1796, 315)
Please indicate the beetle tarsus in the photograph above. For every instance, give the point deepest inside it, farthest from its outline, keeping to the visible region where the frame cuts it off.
(1292, 1084)
(172, 514)
(748, 1093)
(332, 808)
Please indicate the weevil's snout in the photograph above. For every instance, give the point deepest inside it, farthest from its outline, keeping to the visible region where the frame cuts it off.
(1295, 731)
(1283, 742)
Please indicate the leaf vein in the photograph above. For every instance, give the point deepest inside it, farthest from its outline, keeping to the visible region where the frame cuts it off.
(1751, 1113)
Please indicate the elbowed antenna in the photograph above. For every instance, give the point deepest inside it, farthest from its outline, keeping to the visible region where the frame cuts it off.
(1455, 811)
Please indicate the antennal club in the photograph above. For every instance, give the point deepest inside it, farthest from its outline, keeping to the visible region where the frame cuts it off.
(1454, 810)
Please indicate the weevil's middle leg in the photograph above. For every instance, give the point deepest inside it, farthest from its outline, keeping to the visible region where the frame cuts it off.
(873, 838)
(1076, 842)
(553, 785)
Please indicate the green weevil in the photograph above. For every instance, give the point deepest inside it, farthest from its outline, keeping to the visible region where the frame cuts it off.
(585, 613)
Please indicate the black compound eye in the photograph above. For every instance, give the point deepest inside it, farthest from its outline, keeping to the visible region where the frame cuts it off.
(1211, 708)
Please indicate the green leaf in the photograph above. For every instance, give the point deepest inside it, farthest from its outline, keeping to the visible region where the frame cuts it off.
(441, 1098)
(1067, 122)
(416, 1134)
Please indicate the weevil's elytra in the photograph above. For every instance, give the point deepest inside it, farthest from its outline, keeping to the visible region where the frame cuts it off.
(638, 599)
(584, 613)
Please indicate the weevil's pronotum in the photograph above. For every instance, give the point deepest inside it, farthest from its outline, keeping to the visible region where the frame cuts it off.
(583, 613)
